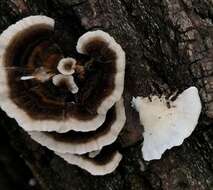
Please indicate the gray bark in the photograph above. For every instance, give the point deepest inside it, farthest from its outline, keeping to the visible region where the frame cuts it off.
(169, 46)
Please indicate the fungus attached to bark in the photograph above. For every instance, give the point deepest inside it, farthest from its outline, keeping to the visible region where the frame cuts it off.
(83, 142)
(104, 163)
(166, 127)
(31, 60)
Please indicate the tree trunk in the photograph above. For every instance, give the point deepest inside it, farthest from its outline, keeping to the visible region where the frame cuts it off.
(168, 44)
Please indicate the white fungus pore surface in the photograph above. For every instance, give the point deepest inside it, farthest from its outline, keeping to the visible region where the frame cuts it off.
(166, 127)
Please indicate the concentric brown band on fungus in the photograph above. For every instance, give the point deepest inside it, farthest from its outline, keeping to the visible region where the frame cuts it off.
(98, 82)
(83, 142)
(37, 104)
(81, 137)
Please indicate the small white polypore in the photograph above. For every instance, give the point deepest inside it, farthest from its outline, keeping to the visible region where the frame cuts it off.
(68, 79)
(66, 66)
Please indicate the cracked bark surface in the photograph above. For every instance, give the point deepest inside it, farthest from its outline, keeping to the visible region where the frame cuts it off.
(169, 47)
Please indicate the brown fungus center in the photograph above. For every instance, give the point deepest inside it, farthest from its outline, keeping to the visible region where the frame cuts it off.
(82, 137)
(68, 66)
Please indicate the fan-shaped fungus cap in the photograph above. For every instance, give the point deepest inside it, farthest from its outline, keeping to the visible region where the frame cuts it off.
(39, 105)
(166, 127)
(80, 142)
(104, 163)
(104, 49)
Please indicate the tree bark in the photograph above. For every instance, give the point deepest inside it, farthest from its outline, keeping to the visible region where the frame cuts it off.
(168, 44)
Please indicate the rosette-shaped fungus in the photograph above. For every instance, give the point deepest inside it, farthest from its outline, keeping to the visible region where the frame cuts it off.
(72, 106)
(36, 94)
(167, 123)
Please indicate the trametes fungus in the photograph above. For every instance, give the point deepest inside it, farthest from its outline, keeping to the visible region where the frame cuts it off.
(33, 69)
(72, 106)
(167, 123)
(66, 67)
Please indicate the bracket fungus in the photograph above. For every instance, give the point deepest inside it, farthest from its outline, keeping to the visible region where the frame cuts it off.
(30, 59)
(72, 106)
(167, 126)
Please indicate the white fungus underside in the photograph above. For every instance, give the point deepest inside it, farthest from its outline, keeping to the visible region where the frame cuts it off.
(95, 144)
(165, 128)
(90, 166)
(120, 66)
(62, 126)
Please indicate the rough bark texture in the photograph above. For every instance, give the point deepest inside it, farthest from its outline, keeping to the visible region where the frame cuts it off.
(169, 46)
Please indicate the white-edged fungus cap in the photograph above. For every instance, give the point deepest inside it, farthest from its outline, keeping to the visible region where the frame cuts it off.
(41, 108)
(80, 142)
(104, 163)
(166, 127)
(92, 43)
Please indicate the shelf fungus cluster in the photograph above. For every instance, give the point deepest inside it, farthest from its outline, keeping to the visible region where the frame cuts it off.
(167, 122)
(70, 105)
